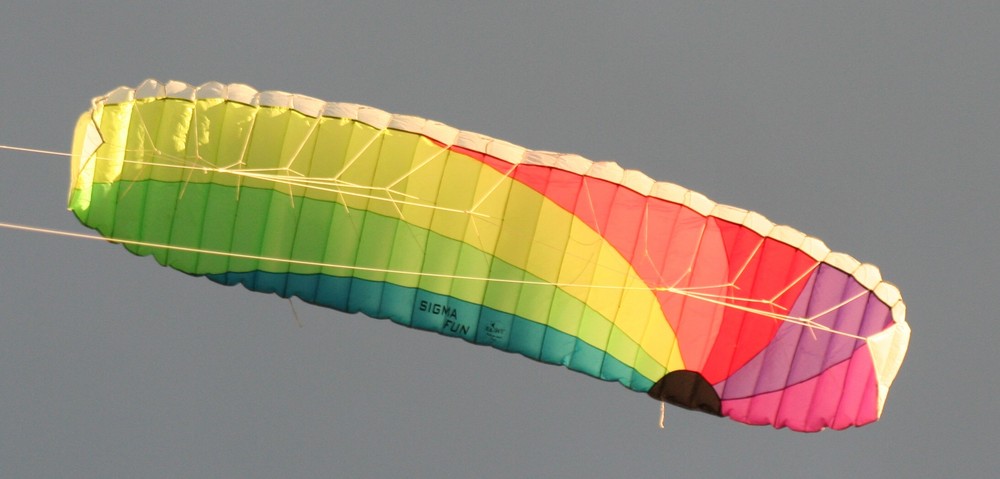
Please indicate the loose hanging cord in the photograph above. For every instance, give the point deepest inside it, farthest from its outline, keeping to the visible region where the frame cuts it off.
(295, 314)
(663, 412)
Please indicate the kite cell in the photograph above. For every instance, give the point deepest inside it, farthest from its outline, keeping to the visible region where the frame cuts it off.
(563, 260)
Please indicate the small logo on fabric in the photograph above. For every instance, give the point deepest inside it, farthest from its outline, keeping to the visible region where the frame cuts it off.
(495, 331)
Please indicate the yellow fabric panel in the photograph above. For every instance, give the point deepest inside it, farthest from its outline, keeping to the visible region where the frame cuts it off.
(363, 153)
(82, 167)
(113, 121)
(397, 158)
(640, 318)
(456, 195)
(332, 138)
(422, 181)
(263, 156)
(297, 152)
(523, 214)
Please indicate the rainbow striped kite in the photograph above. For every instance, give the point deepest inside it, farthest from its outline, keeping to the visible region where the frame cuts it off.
(563, 260)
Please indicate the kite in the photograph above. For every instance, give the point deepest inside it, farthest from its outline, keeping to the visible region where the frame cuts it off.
(552, 256)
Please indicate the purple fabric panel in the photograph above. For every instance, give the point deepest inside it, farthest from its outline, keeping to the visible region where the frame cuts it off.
(817, 350)
(798, 353)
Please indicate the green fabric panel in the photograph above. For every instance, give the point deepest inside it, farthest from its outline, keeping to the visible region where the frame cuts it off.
(566, 313)
(314, 226)
(374, 251)
(536, 301)
(219, 221)
(622, 347)
(472, 263)
(377, 237)
(279, 233)
(343, 240)
(191, 207)
(248, 228)
(594, 328)
(408, 245)
(129, 207)
(444, 261)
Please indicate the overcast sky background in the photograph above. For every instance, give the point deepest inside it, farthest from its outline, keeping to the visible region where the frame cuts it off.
(872, 125)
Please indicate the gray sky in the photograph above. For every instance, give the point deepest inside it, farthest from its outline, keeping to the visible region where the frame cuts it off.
(872, 125)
